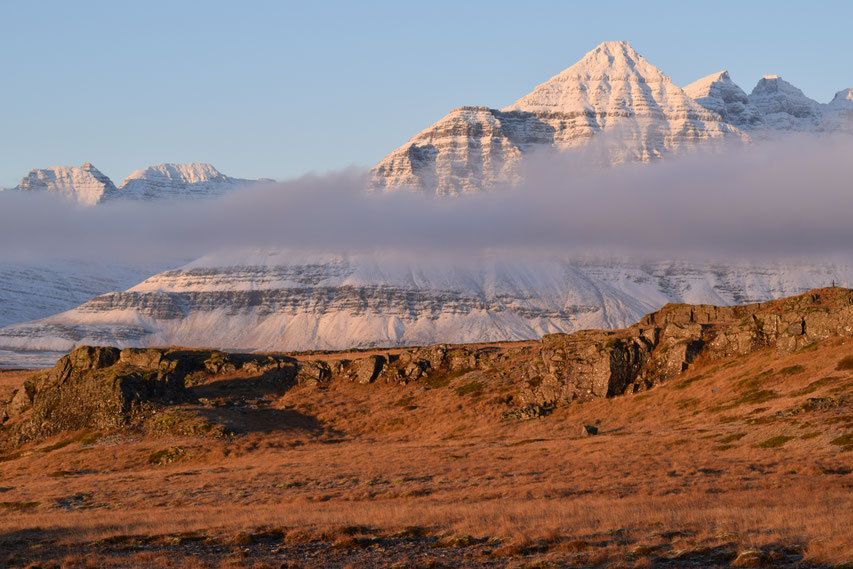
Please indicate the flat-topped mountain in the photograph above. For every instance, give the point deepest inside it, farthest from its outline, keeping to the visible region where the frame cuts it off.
(290, 301)
(179, 181)
(87, 185)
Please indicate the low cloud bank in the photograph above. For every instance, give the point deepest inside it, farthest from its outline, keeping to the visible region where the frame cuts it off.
(786, 198)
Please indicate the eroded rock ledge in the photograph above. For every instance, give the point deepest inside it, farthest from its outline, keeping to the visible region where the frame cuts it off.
(105, 388)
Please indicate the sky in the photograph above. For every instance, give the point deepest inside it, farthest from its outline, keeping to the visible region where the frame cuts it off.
(281, 89)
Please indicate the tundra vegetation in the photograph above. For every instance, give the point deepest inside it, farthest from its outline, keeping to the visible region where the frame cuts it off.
(701, 436)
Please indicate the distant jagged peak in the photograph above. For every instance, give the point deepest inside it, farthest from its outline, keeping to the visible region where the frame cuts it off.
(718, 93)
(86, 184)
(784, 106)
(720, 81)
(770, 84)
(843, 99)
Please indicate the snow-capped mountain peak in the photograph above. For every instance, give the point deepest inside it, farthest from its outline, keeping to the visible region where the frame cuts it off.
(612, 88)
(843, 99)
(784, 106)
(184, 181)
(85, 184)
(718, 93)
(602, 79)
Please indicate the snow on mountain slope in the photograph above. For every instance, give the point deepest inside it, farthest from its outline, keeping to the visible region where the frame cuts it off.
(718, 93)
(85, 184)
(285, 301)
(612, 89)
(843, 100)
(178, 181)
(35, 290)
(89, 186)
(784, 107)
(838, 113)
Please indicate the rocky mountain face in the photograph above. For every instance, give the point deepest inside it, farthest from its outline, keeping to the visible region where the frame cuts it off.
(784, 107)
(87, 185)
(612, 91)
(718, 93)
(107, 389)
(283, 301)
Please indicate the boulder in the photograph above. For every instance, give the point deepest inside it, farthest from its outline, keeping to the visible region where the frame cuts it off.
(588, 430)
(367, 369)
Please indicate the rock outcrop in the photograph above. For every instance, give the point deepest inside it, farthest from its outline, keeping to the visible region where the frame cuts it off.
(663, 344)
(107, 389)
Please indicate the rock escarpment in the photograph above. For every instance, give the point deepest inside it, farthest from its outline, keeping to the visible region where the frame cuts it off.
(108, 389)
(663, 344)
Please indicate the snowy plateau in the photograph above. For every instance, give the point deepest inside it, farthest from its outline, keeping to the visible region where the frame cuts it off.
(286, 300)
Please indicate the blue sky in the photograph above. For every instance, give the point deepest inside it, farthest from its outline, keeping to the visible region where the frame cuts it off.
(278, 89)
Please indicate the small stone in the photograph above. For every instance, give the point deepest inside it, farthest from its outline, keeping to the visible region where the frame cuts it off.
(588, 431)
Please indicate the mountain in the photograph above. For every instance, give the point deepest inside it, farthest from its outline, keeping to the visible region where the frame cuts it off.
(38, 289)
(843, 100)
(838, 113)
(613, 89)
(288, 301)
(85, 184)
(784, 107)
(179, 181)
(718, 93)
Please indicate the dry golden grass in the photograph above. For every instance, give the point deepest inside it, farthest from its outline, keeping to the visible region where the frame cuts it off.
(684, 467)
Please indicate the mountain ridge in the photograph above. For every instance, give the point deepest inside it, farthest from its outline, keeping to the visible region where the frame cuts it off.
(613, 90)
(88, 186)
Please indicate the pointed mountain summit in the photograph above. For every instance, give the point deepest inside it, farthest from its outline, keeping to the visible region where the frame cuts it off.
(607, 78)
(843, 99)
(718, 93)
(612, 89)
(785, 107)
(85, 184)
(838, 113)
